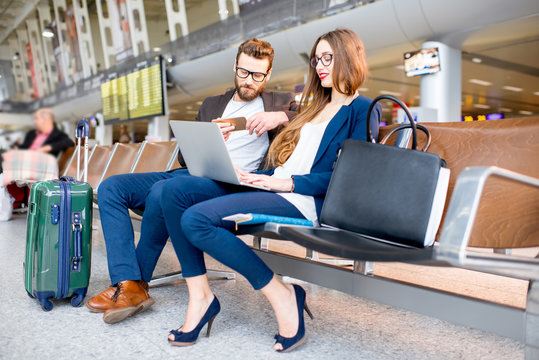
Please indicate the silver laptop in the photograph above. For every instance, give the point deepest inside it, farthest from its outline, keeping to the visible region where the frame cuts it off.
(203, 148)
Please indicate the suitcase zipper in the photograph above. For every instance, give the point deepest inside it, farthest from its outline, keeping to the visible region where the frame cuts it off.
(77, 241)
(64, 240)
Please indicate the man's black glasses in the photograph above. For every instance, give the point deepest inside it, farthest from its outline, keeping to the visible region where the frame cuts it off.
(244, 73)
(325, 59)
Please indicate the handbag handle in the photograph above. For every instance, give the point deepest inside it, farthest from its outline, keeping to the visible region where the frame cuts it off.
(406, 110)
(408, 126)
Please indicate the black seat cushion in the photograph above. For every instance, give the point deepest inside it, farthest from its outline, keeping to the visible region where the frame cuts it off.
(350, 245)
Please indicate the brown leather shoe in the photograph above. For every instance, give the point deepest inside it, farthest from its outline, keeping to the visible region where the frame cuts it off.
(103, 301)
(130, 298)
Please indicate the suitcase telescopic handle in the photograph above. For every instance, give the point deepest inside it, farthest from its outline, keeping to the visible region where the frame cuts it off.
(83, 130)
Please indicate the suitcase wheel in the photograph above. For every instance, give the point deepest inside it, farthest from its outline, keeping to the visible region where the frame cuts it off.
(78, 296)
(44, 299)
(46, 305)
(77, 300)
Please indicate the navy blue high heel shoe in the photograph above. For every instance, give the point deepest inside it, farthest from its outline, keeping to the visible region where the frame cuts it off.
(189, 338)
(289, 344)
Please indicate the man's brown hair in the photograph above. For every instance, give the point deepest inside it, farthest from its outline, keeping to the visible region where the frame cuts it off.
(259, 49)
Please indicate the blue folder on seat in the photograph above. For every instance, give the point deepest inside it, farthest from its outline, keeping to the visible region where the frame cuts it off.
(253, 219)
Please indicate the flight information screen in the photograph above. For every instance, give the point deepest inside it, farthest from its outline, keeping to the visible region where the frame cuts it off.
(137, 94)
(145, 90)
(422, 62)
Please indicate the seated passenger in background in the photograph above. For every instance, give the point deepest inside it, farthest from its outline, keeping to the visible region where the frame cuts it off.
(46, 137)
(300, 167)
(266, 113)
(124, 138)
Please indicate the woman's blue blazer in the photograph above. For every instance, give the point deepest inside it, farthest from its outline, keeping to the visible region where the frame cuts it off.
(349, 122)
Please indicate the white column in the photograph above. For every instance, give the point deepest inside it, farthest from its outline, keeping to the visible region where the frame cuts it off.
(137, 26)
(61, 27)
(105, 25)
(34, 35)
(48, 52)
(103, 133)
(235, 6)
(176, 18)
(158, 129)
(84, 34)
(224, 12)
(18, 68)
(22, 39)
(442, 90)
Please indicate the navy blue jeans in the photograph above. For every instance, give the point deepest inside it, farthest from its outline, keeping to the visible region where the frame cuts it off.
(119, 193)
(193, 215)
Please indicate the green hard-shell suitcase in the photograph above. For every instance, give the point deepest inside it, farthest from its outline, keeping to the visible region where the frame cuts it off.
(58, 239)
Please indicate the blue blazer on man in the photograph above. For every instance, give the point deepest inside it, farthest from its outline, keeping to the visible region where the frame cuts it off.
(349, 122)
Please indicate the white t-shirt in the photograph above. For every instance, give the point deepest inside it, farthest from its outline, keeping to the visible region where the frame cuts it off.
(300, 163)
(246, 151)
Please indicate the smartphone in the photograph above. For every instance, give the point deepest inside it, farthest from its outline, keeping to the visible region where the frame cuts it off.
(237, 122)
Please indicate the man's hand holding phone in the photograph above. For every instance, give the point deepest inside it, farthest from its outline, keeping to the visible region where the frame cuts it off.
(231, 124)
(225, 127)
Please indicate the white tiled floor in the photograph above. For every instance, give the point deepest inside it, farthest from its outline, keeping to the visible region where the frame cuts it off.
(344, 327)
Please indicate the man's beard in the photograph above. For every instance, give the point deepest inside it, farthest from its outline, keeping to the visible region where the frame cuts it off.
(246, 95)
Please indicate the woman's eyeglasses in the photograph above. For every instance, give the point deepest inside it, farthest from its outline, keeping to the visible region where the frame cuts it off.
(244, 73)
(325, 59)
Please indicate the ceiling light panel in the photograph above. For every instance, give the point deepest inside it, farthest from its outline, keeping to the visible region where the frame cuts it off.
(481, 106)
(480, 82)
(513, 88)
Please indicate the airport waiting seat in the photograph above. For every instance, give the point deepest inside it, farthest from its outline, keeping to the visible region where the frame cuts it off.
(156, 156)
(97, 160)
(175, 165)
(120, 161)
(491, 205)
(65, 158)
(70, 168)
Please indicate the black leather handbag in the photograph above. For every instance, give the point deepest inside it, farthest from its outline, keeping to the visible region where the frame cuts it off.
(386, 192)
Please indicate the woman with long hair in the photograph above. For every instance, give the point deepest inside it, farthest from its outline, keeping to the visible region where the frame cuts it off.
(298, 171)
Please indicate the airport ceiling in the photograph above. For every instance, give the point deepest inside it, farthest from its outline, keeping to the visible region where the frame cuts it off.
(500, 73)
(500, 70)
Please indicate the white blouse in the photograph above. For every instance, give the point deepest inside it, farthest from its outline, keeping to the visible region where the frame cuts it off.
(300, 163)
(246, 151)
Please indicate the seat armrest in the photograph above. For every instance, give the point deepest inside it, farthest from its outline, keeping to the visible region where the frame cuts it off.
(459, 222)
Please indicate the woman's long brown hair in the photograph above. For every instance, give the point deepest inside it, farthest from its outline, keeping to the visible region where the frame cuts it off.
(349, 73)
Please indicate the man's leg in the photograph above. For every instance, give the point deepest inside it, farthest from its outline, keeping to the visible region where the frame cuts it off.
(116, 195)
(153, 232)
